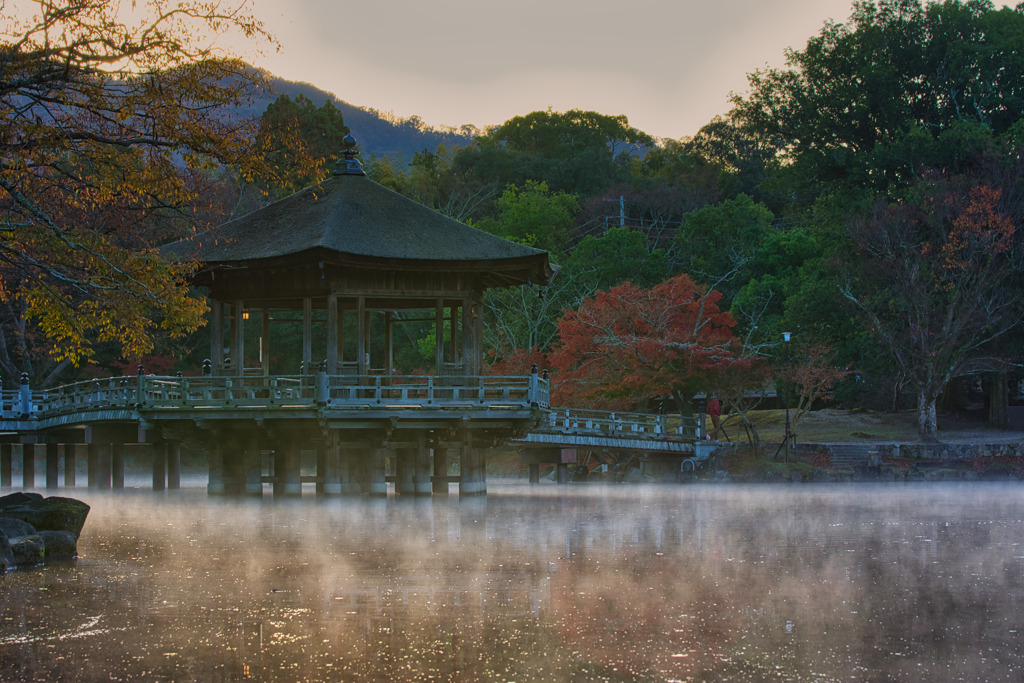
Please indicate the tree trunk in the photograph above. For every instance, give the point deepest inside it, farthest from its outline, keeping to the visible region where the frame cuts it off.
(998, 401)
(927, 420)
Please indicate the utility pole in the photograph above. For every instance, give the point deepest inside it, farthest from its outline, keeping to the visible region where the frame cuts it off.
(622, 210)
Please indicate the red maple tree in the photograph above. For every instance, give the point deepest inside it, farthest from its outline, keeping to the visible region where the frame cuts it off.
(627, 345)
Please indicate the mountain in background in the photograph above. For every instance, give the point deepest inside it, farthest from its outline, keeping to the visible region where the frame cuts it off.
(377, 133)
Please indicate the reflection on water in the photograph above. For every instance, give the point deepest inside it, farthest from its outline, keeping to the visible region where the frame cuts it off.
(533, 584)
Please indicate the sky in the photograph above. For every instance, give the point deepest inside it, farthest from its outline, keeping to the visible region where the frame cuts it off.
(668, 65)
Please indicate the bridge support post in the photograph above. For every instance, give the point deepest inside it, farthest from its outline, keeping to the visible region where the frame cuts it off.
(378, 485)
(534, 473)
(52, 465)
(70, 474)
(159, 454)
(93, 465)
(440, 484)
(174, 466)
(332, 468)
(233, 464)
(321, 466)
(473, 479)
(103, 466)
(287, 479)
(117, 465)
(28, 465)
(254, 465)
(405, 471)
(421, 459)
(562, 472)
(5, 463)
(215, 465)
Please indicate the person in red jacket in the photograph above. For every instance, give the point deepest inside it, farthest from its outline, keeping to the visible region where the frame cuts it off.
(714, 411)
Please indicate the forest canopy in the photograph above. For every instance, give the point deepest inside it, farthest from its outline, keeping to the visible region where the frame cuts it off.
(865, 197)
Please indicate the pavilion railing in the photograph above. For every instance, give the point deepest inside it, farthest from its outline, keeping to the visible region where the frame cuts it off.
(297, 391)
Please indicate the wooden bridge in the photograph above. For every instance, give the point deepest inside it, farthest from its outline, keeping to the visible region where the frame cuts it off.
(365, 430)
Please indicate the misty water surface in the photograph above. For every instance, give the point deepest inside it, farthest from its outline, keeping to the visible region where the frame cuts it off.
(667, 583)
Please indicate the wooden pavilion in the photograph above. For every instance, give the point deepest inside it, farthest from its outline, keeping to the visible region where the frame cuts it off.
(339, 269)
(348, 260)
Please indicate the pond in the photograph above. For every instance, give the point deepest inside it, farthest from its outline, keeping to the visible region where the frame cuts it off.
(543, 583)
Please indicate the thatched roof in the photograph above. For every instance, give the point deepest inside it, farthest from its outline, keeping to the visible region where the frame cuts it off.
(351, 219)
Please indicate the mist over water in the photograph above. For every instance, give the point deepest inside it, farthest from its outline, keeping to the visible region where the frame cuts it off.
(544, 583)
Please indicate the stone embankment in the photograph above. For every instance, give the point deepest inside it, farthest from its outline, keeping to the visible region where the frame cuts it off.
(834, 462)
(35, 530)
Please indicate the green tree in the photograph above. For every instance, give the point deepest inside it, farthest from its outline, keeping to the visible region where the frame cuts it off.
(534, 215)
(716, 242)
(297, 140)
(620, 255)
(580, 152)
(901, 87)
(103, 117)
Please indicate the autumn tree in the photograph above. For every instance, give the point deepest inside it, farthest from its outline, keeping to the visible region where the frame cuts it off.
(106, 113)
(627, 345)
(936, 281)
(809, 376)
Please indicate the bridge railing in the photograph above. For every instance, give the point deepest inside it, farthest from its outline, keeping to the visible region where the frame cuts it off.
(573, 420)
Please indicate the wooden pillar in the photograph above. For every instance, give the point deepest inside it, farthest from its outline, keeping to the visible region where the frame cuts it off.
(362, 330)
(422, 463)
(534, 473)
(238, 337)
(117, 465)
(439, 333)
(28, 465)
(52, 465)
(378, 485)
(473, 477)
(174, 466)
(307, 336)
(216, 334)
(5, 463)
(215, 467)
(389, 339)
(254, 464)
(159, 454)
(265, 341)
(472, 335)
(332, 334)
(70, 473)
(453, 340)
(439, 485)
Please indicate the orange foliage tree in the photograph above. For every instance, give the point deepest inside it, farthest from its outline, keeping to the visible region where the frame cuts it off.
(109, 115)
(628, 345)
(811, 375)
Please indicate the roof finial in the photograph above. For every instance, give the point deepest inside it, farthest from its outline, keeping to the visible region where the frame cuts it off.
(349, 165)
